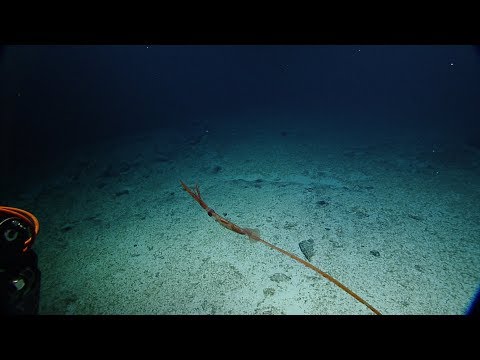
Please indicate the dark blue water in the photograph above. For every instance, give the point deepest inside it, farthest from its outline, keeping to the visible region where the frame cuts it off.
(56, 97)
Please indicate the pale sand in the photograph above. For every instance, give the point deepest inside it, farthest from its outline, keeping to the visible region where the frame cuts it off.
(155, 251)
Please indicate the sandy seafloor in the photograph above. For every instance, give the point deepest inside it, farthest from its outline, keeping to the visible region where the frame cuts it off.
(396, 219)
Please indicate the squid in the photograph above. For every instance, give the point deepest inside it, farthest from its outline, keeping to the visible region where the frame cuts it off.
(253, 235)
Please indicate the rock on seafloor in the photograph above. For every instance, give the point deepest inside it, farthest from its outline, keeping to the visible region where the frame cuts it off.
(307, 248)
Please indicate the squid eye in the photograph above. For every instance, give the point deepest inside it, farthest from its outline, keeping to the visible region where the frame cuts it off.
(209, 213)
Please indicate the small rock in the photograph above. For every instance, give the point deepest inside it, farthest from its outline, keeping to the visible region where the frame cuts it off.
(124, 168)
(419, 268)
(122, 192)
(307, 248)
(289, 225)
(279, 277)
(268, 291)
(375, 253)
(216, 169)
(416, 217)
(66, 227)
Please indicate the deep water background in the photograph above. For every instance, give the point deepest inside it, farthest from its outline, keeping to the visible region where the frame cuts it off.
(56, 98)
